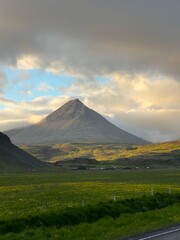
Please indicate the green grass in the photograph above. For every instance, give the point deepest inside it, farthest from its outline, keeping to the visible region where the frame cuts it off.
(28, 195)
(90, 213)
(106, 228)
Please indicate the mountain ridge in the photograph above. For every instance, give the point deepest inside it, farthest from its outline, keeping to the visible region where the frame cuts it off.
(74, 123)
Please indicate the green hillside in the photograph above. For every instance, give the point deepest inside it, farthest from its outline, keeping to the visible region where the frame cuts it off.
(162, 154)
(14, 159)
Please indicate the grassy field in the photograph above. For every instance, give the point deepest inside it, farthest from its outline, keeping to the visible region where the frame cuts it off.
(33, 194)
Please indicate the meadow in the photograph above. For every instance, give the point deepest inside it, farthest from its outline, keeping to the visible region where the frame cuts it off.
(28, 195)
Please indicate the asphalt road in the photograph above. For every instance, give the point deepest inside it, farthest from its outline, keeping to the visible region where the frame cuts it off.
(168, 234)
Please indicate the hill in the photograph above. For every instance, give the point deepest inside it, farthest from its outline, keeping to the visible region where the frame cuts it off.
(15, 159)
(154, 155)
(73, 123)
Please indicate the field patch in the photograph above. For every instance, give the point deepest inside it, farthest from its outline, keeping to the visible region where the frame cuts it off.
(27, 196)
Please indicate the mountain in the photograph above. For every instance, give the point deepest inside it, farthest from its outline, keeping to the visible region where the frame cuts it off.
(14, 159)
(74, 123)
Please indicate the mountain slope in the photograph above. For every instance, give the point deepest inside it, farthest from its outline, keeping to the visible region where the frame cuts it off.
(74, 123)
(14, 159)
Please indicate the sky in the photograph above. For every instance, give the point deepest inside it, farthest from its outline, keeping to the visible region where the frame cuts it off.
(119, 57)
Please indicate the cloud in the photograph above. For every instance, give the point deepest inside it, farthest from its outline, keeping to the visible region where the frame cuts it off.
(28, 62)
(17, 114)
(91, 37)
(11, 124)
(6, 101)
(141, 104)
(25, 88)
(3, 82)
(147, 106)
(135, 44)
(59, 68)
(25, 92)
(44, 87)
(155, 126)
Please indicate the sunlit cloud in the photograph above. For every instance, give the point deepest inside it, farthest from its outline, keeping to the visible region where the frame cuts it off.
(146, 105)
(15, 113)
(133, 44)
(28, 62)
(11, 124)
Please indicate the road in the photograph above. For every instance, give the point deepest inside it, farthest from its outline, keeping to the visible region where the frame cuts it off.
(169, 234)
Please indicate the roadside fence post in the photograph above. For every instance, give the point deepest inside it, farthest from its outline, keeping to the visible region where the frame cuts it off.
(152, 191)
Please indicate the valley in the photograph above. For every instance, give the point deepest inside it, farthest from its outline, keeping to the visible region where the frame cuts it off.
(123, 156)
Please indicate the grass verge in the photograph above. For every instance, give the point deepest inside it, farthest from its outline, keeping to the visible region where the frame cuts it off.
(106, 228)
(90, 214)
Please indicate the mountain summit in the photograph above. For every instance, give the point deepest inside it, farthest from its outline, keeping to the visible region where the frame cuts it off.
(74, 123)
(70, 110)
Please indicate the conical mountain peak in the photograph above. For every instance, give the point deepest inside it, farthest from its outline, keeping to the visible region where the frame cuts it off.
(73, 103)
(74, 122)
(69, 110)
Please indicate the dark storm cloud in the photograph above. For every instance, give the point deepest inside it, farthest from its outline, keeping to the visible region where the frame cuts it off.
(93, 36)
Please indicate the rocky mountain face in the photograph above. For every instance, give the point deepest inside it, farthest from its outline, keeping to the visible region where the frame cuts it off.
(73, 123)
(13, 158)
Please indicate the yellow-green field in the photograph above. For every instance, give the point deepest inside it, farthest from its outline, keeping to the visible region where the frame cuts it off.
(59, 152)
(22, 195)
(27, 195)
